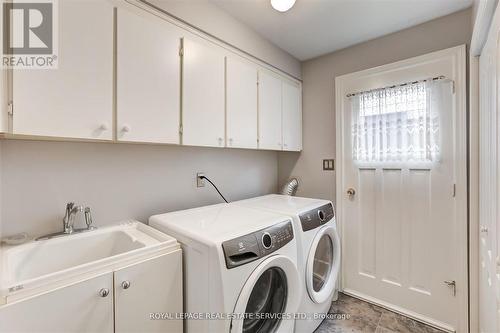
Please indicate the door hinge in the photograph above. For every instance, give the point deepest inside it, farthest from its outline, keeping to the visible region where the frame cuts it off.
(10, 109)
(454, 191)
(181, 51)
(453, 86)
(181, 129)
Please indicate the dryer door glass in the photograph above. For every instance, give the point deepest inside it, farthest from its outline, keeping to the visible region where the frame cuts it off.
(323, 260)
(268, 296)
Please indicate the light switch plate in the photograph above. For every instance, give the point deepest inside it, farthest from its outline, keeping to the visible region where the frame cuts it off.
(329, 165)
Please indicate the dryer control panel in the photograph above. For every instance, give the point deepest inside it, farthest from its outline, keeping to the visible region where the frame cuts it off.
(316, 217)
(245, 249)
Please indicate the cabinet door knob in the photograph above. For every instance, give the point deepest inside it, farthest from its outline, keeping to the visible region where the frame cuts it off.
(103, 127)
(231, 141)
(104, 292)
(351, 192)
(484, 229)
(126, 284)
(220, 141)
(126, 128)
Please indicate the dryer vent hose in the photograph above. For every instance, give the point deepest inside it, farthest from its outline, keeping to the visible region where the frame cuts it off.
(290, 187)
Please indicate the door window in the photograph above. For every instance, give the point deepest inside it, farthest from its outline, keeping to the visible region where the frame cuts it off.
(266, 302)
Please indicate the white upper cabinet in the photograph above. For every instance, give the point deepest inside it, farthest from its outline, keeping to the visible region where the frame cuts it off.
(270, 106)
(75, 100)
(203, 113)
(241, 103)
(292, 117)
(148, 78)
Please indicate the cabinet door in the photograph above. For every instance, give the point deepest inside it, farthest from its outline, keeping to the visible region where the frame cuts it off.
(270, 134)
(292, 117)
(203, 94)
(75, 308)
(154, 286)
(148, 86)
(241, 104)
(74, 100)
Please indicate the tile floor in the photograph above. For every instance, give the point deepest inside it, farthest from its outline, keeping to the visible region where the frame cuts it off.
(368, 318)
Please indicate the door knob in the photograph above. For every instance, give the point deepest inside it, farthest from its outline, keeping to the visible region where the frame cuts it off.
(126, 284)
(104, 292)
(351, 192)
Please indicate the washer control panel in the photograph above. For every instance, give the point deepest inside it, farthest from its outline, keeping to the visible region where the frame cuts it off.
(245, 249)
(316, 217)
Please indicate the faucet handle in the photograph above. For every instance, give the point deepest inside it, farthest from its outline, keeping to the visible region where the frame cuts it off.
(88, 218)
(70, 205)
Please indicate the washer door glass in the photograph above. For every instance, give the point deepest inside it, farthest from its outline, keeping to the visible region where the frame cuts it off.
(323, 262)
(266, 302)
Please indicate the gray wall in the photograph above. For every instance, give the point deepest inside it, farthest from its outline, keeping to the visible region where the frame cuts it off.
(210, 18)
(319, 92)
(119, 181)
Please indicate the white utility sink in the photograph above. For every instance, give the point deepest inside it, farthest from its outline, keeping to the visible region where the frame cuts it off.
(40, 263)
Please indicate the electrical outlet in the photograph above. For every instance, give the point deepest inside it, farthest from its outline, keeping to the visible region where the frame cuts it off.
(200, 182)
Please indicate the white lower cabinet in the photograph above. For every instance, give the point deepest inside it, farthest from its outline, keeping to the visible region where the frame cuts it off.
(148, 288)
(76, 308)
(121, 301)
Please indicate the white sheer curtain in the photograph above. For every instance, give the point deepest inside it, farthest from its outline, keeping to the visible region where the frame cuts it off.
(399, 124)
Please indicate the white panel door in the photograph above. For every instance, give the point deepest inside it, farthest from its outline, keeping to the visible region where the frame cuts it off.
(241, 103)
(75, 308)
(270, 111)
(489, 136)
(4, 120)
(292, 117)
(148, 71)
(153, 286)
(75, 100)
(404, 224)
(203, 122)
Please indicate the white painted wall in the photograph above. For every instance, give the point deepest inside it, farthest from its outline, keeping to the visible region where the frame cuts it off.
(120, 181)
(211, 19)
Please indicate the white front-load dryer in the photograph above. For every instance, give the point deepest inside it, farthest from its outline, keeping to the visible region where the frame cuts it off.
(318, 252)
(240, 268)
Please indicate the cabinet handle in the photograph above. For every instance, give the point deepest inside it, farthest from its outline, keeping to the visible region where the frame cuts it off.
(104, 292)
(126, 284)
(126, 128)
(220, 141)
(103, 127)
(230, 141)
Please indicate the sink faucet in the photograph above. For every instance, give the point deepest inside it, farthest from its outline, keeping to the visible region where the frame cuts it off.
(69, 217)
(69, 221)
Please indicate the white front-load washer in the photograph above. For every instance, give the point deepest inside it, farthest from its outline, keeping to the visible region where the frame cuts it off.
(318, 246)
(240, 268)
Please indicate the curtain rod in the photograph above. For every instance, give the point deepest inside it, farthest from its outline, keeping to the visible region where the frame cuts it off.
(437, 78)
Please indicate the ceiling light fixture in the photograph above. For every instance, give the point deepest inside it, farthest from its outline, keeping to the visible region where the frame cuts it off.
(282, 5)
